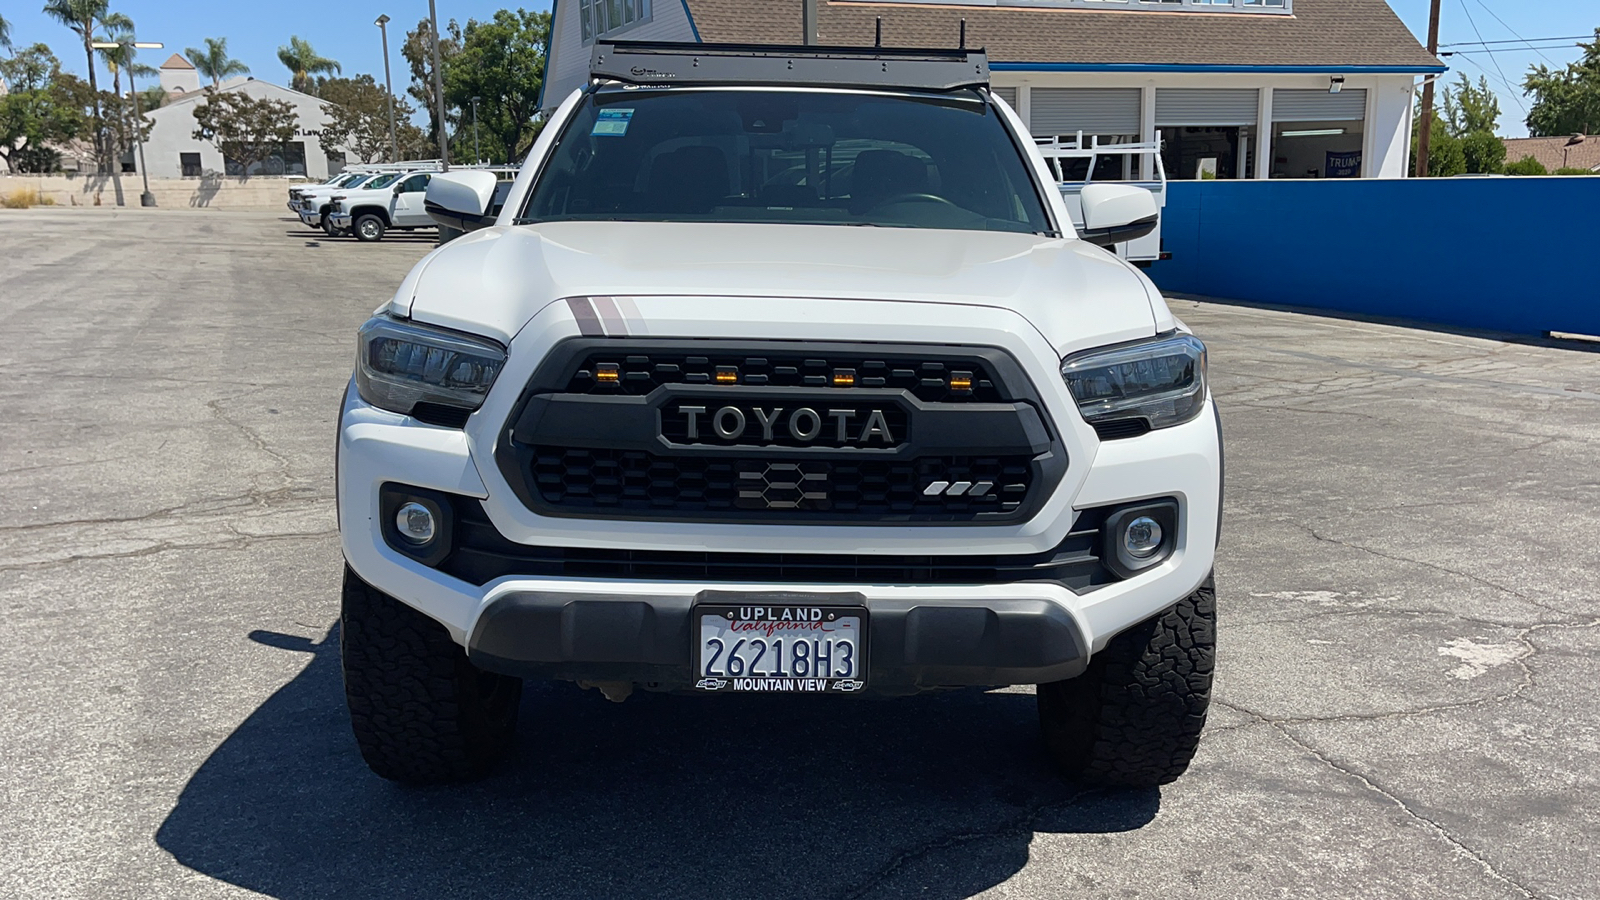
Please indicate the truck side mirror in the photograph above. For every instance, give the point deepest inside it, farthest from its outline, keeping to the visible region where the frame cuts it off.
(461, 199)
(1113, 213)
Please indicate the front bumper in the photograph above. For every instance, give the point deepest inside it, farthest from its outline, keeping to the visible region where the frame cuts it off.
(339, 220)
(645, 638)
(310, 217)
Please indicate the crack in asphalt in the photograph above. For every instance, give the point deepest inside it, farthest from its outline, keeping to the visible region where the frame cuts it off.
(1476, 579)
(250, 434)
(1019, 825)
(255, 497)
(241, 542)
(1460, 847)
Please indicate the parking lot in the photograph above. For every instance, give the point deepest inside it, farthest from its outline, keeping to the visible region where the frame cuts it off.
(1409, 595)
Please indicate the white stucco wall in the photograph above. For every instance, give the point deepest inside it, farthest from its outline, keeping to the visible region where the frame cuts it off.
(569, 56)
(173, 132)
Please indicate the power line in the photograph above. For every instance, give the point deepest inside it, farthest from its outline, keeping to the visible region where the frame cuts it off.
(1510, 29)
(1515, 96)
(1488, 52)
(1542, 40)
(1516, 91)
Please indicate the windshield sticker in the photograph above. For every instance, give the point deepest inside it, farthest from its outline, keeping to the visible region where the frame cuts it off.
(612, 122)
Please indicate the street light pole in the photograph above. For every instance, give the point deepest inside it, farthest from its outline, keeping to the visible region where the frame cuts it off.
(477, 154)
(146, 198)
(438, 88)
(388, 85)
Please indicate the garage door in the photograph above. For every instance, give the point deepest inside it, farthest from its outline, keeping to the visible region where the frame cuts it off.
(1008, 94)
(1319, 106)
(1055, 111)
(1207, 106)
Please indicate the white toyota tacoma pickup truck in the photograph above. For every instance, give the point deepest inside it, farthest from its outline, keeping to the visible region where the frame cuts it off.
(779, 370)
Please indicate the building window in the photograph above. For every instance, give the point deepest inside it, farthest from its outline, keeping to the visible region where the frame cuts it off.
(190, 164)
(1318, 134)
(127, 163)
(597, 18)
(335, 163)
(289, 159)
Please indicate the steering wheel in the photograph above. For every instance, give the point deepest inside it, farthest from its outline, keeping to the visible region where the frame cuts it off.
(915, 197)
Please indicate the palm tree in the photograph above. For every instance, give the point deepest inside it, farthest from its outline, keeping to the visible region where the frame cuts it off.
(5, 32)
(81, 17)
(303, 62)
(214, 62)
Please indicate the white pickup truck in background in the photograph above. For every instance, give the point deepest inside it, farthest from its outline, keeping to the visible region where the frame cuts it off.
(1076, 164)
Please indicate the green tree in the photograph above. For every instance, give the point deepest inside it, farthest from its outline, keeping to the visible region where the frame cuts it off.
(358, 118)
(1527, 166)
(1472, 113)
(501, 61)
(418, 53)
(245, 131)
(303, 62)
(1566, 101)
(214, 61)
(1446, 157)
(5, 33)
(40, 107)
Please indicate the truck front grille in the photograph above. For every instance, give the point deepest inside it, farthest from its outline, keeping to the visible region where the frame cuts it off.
(870, 434)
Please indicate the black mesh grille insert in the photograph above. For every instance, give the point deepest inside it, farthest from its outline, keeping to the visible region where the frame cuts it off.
(929, 379)
(482, 554)
(923, 489)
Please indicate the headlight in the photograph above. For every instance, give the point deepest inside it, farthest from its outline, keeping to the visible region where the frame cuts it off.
(402, 365)
(1162, 381)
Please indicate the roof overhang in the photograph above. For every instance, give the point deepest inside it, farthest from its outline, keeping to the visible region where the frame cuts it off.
(1214, 68)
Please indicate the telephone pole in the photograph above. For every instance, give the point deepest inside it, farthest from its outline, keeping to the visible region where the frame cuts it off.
(1425, 134)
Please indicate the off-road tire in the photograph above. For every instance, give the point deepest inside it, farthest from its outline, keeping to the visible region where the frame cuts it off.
(369, 227)
(1134, 718)
(422, 713)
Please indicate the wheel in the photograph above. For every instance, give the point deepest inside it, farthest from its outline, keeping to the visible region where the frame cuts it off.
(1134, 717)
(421, 712)
(328, 229)
(369, 227)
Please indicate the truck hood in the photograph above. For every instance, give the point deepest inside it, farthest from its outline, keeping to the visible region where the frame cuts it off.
(493, 281)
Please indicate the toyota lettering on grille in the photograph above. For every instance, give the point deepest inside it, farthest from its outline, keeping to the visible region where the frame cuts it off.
(803, 425)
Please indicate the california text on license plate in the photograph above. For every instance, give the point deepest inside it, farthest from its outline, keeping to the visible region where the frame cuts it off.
(780, 647)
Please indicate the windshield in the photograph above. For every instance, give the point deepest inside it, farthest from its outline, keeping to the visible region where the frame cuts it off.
(797, 157)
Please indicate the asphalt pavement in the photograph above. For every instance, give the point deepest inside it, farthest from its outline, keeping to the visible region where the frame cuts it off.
(1408, 584)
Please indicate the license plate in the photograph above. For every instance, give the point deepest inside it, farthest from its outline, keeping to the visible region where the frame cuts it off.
(785, 648)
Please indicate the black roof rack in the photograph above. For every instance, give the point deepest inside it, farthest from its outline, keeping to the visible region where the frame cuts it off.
(663, 63)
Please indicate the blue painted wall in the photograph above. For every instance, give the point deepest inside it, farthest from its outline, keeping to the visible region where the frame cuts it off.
(1509, 254)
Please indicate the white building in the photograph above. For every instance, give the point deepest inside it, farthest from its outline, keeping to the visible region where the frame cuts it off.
(172, 150)
(1236, 88)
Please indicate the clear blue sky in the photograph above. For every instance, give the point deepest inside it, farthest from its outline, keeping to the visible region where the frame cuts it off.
(343, 30)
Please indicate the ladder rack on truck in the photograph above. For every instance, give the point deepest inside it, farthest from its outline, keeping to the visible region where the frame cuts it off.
(1075, 163)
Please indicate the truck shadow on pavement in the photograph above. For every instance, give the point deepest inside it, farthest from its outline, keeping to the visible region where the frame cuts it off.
(936, 796)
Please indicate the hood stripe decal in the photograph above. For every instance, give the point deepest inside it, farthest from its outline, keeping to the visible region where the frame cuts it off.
(588, 322)
(630, 314)
(614, 324)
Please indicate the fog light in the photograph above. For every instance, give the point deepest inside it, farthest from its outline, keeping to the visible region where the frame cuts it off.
(416, 524)
(1142, 537)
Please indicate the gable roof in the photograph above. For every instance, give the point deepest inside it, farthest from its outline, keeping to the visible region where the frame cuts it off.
(1321, 35)
(1569, 152)
(177, 62)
